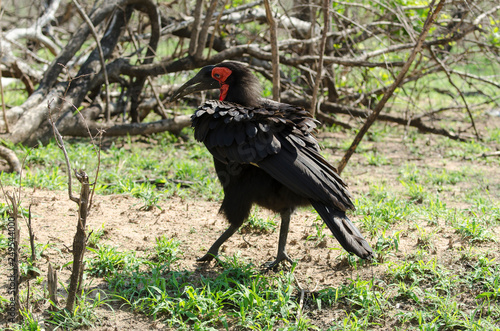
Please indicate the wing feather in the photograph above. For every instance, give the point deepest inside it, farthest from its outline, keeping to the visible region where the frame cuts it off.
(278, 140)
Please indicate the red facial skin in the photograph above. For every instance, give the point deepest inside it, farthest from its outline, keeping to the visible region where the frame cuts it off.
(221, 74)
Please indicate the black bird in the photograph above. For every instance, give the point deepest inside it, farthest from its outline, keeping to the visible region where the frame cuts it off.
(265, 153)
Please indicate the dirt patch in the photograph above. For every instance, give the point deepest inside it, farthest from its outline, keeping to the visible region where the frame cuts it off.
(195, 223)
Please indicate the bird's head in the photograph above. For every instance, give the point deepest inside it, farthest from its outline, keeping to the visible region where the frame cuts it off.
(235, 81)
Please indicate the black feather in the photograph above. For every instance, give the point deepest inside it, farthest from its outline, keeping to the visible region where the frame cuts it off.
(265, 153)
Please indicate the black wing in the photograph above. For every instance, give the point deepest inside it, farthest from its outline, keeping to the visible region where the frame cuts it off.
(278, 138)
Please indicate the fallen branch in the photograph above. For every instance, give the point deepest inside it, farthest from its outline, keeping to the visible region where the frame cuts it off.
(174, 125)
(497, 153)
(416, 122)
(11, 159)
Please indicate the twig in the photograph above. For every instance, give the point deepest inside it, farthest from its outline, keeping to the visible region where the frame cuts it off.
(161, 107)
(2, 99)
(175, 124)
(471, 76)
(248, 243)
(302, 294)
(101, 55)
(195, 32)
(98, 150)
(301, 304)
(203, 35)
(446, 71)
(319, 74)
(301, 301)
(216, 26)
(373, 116)
(80, 239)
(99, 133)
(483, 15)
(496, 153)
(324, 118)
(32, 236)
(274, 51)
(60, 144)
(415, 122)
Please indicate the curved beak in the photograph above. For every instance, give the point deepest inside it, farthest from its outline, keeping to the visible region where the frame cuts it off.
(201, 82)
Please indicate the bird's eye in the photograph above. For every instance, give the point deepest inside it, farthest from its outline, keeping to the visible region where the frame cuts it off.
(216, 75)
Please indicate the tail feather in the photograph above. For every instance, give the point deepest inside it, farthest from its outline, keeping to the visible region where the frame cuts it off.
(344, 230)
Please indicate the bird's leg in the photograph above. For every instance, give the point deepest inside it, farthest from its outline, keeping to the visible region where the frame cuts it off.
(285, 225)
(214, 250)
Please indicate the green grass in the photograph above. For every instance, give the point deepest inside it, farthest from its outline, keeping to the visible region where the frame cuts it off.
(433, 226)
(146, 170)
(258, 224)
(239, 295)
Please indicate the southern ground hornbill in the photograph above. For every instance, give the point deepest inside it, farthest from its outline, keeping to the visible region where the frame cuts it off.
(265, 153)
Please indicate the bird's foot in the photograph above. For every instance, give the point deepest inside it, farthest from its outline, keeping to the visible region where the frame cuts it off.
(281, 257)
(208, 257)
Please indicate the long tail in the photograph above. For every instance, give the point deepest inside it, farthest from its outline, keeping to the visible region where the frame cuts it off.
(342, 228)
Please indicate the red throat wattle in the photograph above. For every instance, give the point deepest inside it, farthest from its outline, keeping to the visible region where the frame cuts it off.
(221, 74)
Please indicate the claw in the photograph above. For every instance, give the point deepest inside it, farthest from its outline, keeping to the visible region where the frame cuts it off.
(207, 257)
(273, 264)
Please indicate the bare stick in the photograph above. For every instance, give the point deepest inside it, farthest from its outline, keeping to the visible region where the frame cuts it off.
(52, 286)
(32, 236)
(274, 51)
(80, 239)
(216, 25)
(84, 202)
(193, 43)
(319, 75)
(101, 55)
(373, 116)
(1, 85)
(60, 144)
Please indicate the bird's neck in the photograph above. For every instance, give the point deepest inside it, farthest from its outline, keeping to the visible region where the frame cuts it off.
(244, 96)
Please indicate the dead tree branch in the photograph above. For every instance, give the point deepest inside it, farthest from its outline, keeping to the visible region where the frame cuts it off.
(274, 51)
(80, 238)
(447, 72)
(11, 159)
(415, 122)
(322, 47)
(101, 55)
(373, 116)
(362, 54)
